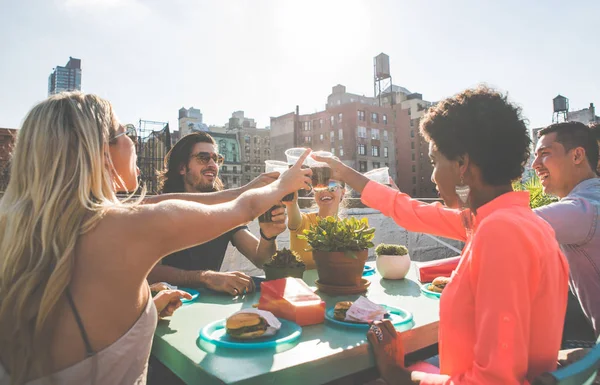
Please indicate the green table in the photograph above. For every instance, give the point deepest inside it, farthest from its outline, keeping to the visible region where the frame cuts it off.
(324, 352)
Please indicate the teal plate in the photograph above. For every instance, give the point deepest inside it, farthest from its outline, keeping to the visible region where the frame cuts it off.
(192, 292)
(215, 334)
(369, 270)
(397, 316)
(429, 293)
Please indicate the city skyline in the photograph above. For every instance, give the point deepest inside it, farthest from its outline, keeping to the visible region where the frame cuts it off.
(150, 59)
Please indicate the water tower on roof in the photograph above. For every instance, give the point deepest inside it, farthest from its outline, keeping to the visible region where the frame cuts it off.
(382, 77)
(561, 109)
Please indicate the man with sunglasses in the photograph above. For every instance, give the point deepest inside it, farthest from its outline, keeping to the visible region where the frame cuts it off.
(192, 166)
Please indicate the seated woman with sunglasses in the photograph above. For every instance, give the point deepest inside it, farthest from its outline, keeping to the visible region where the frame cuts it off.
(328, 201)
(74, 259)
(501, 315)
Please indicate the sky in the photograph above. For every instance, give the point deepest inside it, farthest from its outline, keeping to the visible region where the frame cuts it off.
(152, 57)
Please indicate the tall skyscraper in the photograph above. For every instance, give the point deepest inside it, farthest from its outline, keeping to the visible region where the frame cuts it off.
(67, 78)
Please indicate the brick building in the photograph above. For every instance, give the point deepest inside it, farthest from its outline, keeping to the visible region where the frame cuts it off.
(255, 145)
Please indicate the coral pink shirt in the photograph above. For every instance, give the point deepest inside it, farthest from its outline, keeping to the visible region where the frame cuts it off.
(501, 316)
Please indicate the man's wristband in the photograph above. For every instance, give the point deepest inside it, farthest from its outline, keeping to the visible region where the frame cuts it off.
(263, 236)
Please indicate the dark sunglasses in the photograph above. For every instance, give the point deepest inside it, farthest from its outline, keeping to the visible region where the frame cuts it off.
(129, 131)
(205, 157)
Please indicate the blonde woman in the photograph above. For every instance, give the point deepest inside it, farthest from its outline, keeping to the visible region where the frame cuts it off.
(75, 307)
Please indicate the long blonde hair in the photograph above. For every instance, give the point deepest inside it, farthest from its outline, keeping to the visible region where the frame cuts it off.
(61, 184)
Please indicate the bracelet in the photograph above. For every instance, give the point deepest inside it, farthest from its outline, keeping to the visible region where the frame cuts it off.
(263, 236)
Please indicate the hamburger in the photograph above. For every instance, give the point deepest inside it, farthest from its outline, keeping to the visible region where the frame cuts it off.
(340, 309)
(438, 284)
(246, 326)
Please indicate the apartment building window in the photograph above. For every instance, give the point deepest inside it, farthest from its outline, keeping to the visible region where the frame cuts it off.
(421, 156)
(247, 139)
(340, 134)
(331, 120)
(362, 132)
(320, 123)
(414, 192)
(413, 156)
(384, 117)
(376, 165)
(235, 180)
(387, 165)
(412, 133)
(375, 133)
(385, 135)
(340, 117)
(246, 168)
(412, 145)
(235, 169)
(333, 150)
(412, 123)
(332, 137)
(414, 179)
(235, 157)
(224, 168)
(256, 140)
(414, 168)
(321, 137)
(362, 166)
(361, 115)
(306, 126)
(375, 151)
(341, 150)
(409, 113)
(307, 139)
(385, 152)
(374, 117)
(362, 149)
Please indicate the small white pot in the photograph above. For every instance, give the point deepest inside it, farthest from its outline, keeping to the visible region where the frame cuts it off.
(393, 266)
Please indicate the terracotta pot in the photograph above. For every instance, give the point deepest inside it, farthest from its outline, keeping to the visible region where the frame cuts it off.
(338, 269)
(393, 266)
(272, 272)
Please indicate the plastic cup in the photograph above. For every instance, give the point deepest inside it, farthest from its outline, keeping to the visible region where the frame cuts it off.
(380, 175)
(277, 165)
(324, 154)
(293, 154)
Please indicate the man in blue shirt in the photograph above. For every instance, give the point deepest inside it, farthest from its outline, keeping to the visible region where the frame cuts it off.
(565, 162)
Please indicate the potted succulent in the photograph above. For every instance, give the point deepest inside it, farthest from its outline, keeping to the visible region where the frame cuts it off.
(284, 263)
(340, 249)
(393, 261)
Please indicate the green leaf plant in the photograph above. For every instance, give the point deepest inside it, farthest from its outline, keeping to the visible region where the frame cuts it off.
(339, 234)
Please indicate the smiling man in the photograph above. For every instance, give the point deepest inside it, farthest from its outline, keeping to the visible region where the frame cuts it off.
(192, 166)
(565, 162)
